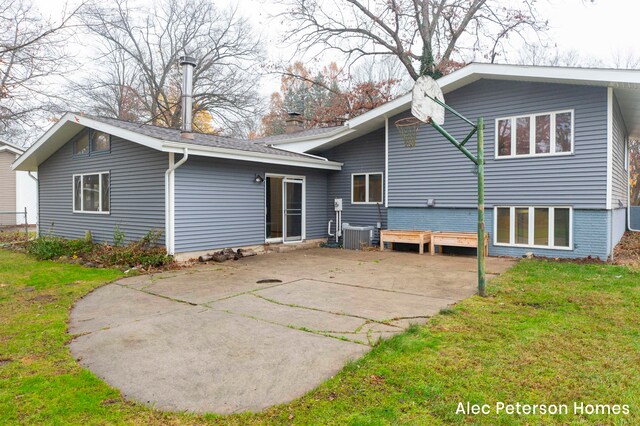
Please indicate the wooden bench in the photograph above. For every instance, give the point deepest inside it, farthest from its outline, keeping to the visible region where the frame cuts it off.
(409, 237)
(457, 239)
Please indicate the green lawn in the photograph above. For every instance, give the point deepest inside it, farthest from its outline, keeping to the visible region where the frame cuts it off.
(549, 333)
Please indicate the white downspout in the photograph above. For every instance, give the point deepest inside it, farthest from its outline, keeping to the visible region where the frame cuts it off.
(169, 199)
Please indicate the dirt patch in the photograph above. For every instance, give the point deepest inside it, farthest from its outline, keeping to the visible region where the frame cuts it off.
(43, 298)
(627, 252)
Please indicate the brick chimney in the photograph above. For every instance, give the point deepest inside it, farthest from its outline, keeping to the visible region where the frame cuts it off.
(294, 123)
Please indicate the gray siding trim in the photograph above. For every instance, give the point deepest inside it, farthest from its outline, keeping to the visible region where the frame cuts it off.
(619, 224)
(436, 169)
(619, 178)
(365, 154)
(634, 218)
(590, 229)
(219, 205)
(137, 192)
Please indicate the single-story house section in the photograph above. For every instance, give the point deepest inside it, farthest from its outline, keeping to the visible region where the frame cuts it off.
(556, 171)
(18, 190)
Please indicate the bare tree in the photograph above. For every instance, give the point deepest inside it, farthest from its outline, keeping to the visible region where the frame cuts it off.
(541, 54)
(32, 55)
(140, 51)
(427, 36)
(112, 92)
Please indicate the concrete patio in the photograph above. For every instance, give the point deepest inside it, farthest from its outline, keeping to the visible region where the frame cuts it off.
(261, 331)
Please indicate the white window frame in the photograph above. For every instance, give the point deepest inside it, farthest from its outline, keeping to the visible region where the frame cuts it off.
(73, 193)
(285, 178)
(366, 188)
(532, 135)
(512, 230)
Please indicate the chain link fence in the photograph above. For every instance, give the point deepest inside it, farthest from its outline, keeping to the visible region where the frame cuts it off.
(12, 222)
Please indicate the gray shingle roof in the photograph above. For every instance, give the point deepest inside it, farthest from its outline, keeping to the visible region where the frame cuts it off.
(201, 139)
(320, 131)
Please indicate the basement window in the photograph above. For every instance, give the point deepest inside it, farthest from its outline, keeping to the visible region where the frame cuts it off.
(366, 188)
(536, 227)
(91, 193)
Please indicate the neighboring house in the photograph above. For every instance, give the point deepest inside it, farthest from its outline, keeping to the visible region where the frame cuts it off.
(556, 174)
(17, 189)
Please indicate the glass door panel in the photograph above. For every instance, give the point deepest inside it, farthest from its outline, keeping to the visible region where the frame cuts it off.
(274, 207)
(292, 210)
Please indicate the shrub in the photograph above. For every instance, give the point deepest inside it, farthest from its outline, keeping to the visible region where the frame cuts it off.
(118, 236)
(48, 247)
(144, 253)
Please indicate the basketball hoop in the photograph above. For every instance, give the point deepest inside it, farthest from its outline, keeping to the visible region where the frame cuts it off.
(427, 106)
(427, 101)
(408, 129)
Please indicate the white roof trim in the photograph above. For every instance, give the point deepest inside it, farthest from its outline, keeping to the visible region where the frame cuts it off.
(167, 146)
(476, 71)
(11, 147)
(621, 79)
(259, 157)
(338, 130)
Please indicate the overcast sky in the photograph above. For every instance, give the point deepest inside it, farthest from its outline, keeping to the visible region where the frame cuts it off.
(598, 30)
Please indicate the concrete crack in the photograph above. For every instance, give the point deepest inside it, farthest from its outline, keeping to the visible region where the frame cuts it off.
(291, 305)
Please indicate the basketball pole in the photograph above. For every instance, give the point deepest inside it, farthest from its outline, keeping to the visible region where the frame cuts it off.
(427, 93)
(478, 160)
(480, 163)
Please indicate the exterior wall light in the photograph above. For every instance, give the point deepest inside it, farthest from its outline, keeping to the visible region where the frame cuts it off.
(259, 179)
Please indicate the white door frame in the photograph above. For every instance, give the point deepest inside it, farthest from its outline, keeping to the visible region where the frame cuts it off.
(286, 178)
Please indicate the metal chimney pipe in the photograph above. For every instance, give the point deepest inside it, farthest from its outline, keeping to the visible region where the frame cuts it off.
(188, 63)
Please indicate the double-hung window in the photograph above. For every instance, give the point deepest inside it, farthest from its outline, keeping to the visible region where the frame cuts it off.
(540, 227)
(91, 193)
(366, 188)
(549, 133)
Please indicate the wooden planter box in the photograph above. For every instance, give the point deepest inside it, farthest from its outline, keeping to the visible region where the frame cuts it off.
(408, 237)
(457, 239)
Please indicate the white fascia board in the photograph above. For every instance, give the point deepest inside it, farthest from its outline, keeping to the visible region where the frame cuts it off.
(13, 147)
(609, 190)
(594, 76)
(259, 157)
(338, 131)
(10, 149)
(52, 130)
(476, 71)
(147, 141)
(302, 146)
(87, 122)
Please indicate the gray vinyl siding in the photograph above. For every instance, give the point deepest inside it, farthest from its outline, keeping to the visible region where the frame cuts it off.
(590, 229)
(218, 203)
(436, 169)
(619, 179)
(137, 192)
(365, 154)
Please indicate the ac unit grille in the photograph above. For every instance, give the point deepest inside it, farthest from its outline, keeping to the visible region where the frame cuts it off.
(355, 237)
